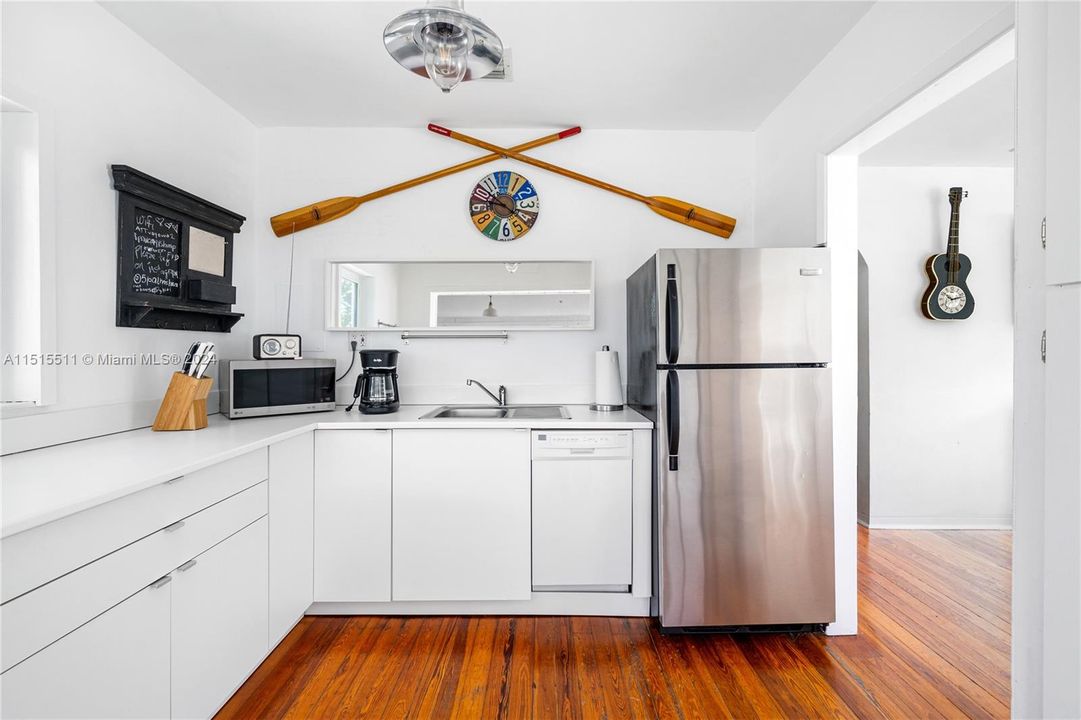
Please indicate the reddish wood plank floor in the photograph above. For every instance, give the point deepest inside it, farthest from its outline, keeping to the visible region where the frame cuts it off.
(934, 642)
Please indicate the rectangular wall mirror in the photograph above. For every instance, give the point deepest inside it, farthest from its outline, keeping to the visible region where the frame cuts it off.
(494, 295)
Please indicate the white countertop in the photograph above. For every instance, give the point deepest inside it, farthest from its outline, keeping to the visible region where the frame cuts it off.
(39, 486)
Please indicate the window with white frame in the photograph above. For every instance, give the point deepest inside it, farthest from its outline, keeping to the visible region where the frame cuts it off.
(21, 357)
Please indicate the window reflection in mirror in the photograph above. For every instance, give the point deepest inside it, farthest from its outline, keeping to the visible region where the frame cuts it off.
(523, 295)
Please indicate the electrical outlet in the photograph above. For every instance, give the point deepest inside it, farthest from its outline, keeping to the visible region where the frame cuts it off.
(358, 338)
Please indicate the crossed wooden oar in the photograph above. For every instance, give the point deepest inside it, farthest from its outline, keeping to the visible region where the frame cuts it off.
(683, 212)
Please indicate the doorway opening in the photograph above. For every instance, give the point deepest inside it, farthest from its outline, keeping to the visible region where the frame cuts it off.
(933, 425)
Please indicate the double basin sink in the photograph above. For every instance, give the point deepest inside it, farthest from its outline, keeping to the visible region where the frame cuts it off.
(498, 412)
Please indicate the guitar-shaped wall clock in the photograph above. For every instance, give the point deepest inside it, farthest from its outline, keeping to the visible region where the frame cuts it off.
(948, 297)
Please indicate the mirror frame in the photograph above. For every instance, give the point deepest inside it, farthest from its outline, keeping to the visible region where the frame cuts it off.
(329, 305)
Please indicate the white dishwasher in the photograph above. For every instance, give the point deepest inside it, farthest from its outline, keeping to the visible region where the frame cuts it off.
(581, 511)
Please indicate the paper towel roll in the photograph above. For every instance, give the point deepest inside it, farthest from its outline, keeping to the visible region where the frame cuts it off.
(608, 385)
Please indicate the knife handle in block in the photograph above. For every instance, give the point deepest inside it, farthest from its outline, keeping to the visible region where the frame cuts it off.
(184, 404)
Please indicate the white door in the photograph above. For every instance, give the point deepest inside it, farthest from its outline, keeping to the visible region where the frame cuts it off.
(352, 515)
(1062, 503)
(292, 533)
(461, 515)
(1063, 143)
(219, 629)
(115, 666)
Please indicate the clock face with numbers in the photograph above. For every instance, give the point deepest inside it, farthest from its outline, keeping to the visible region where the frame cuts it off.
(504, 205)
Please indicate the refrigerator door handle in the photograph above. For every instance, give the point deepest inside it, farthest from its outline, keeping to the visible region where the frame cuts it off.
(672, 412)
(671, 317)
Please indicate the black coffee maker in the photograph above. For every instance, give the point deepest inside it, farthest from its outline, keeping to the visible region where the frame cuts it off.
(377, 385)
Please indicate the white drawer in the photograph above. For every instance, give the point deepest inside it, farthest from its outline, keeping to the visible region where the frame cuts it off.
(38, 618)
(36, 556)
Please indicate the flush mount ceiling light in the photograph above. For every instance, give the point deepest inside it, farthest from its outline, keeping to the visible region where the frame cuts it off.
(440, 41)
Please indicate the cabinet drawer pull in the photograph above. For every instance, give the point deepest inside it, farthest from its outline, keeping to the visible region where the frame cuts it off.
(170, 481)
(175, 526)
(161, 582)
(188, 565)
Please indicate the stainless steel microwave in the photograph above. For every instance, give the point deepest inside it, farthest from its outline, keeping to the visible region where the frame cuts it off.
(256, 388)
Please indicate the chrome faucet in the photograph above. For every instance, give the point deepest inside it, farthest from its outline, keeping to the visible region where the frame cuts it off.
(500, 400)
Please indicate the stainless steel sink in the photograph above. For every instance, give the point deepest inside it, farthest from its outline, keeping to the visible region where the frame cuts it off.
(498, 412)
(468, 412)
(538, 412)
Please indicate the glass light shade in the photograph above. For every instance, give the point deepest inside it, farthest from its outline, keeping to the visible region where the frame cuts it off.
(446, 48)
(490, 311)
(442, 42)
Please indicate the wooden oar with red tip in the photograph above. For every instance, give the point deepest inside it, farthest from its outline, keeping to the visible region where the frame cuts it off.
(327, 210)
(684, 212)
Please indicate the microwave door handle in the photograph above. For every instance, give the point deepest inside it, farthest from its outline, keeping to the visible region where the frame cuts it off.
(672, 419)
(671, 317)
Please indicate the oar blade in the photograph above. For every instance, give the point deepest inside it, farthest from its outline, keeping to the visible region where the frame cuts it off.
(697, 217)
(312, 215)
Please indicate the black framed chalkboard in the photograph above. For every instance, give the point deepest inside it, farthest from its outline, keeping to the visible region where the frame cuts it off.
(174, 257)
(156, 254)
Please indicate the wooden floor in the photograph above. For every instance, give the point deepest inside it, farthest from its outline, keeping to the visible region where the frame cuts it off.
(934, 642)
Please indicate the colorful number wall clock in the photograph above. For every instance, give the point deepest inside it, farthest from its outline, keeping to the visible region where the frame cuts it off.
(504, 205)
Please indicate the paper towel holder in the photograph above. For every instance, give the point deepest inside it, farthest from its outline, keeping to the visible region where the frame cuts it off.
(603, 407)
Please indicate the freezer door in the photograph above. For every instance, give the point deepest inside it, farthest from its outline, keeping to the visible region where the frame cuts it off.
(743, 306)
(745, 497)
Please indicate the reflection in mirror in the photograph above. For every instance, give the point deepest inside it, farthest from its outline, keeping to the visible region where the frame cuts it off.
(541, 295)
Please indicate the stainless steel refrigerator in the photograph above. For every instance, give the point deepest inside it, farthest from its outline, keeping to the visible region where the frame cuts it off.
(728, 354)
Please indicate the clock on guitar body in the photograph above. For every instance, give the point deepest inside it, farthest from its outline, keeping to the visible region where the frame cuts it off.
(948, 297)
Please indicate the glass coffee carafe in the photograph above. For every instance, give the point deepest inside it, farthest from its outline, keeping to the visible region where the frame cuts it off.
(377, 386)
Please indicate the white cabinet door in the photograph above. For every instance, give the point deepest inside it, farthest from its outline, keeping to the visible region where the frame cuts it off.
(1062, 498)
(219, 629)
(461, 515)
(115, 666)
(292, 534)
(1063, 142)
(352, 515)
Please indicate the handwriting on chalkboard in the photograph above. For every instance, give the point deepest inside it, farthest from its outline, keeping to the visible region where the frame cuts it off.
(156, 262)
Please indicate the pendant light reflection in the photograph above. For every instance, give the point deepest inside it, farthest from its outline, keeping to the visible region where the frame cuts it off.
(490, 311)
(442, 42)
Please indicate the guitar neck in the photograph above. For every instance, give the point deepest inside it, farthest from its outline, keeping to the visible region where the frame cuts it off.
(953, 246)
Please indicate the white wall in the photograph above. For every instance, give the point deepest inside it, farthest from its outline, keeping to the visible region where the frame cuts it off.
(300, 166)
(892, 52)
(108, 97)
(941, 393)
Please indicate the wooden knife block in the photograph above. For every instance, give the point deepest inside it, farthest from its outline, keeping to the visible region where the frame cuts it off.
(184, 404)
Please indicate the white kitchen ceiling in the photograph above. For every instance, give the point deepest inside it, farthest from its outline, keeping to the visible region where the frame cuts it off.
(651, 65)
(975, 128)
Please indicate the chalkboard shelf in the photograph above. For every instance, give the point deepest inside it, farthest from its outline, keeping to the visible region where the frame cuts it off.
(170, 315)
(174, 257)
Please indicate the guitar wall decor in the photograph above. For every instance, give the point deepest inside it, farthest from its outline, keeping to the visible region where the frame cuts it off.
(948, 297)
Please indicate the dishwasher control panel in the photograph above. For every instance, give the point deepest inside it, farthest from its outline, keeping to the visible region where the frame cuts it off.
(563, 443)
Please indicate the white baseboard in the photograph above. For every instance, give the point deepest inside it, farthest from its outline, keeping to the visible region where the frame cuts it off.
(542, 603)
(940, 523)
(31, 431)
